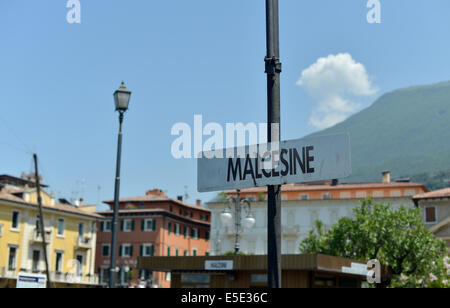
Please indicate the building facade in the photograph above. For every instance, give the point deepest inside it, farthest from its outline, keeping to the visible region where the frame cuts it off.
(435, 209)
(152, 225)
(70, 233)
(302, 205)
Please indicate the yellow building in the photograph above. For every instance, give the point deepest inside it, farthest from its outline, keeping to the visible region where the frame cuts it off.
(70, 233)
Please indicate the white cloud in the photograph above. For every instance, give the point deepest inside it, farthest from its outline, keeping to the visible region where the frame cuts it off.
(333, 82)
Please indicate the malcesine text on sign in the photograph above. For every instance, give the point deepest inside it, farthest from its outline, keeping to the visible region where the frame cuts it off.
(294, 161)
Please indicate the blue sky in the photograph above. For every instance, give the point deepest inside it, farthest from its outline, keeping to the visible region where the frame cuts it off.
(182, 58)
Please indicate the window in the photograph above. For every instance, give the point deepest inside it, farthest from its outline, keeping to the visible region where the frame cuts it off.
(181, 212)
(201, 217)
(303, 197)
(171, 208)
(148, 225)
(168, 276)
(15, 220)
(59, 262)
(378, 194)
(105, 250)
(168, 251)
(127, 225)
(186, 231)
(326, 196)
(126, 250)
(361, 194)
(1, 230)
(345, 195)
(258, 278)
(169, 227)
(79, 268)
(186, 253)
(207, 235)
(177, 229)
(106, 226)
(36, 260)
(12, 258)
(207, 218)
(430, 214)
(194, 233)
(81, 229)
(61, 227)
(194, 252)
(176, 252)
(147, 250)
(396, 193)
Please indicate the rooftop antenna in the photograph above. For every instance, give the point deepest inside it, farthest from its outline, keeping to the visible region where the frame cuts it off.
(186, 195)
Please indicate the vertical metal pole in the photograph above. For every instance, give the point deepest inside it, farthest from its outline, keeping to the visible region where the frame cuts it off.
(237, 218)
(273, 71)
(112, 270)
(41, 219)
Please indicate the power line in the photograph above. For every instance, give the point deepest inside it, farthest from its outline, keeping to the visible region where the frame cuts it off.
(26, 148)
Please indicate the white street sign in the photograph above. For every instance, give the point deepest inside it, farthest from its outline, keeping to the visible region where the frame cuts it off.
(295, 161)
(31, 281)
(219, 265)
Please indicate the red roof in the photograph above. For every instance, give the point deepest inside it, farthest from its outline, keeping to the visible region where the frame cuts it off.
(288, 188)
(442, 193)
(7, 195)
(157, 198)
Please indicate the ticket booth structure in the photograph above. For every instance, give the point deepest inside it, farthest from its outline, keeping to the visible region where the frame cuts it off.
(298, 271)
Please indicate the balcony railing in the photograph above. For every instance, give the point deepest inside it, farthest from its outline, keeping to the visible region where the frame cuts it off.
(8, 274)
(74, 279)
(84, 242)
(291, 230)
(37, 236)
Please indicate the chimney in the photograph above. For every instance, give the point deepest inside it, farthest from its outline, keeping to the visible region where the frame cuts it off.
(180, 198)
(386, 177)
(335, 182)
(156, 192)
(198, 203)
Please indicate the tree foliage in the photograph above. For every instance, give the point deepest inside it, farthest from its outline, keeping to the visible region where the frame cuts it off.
(396, 238)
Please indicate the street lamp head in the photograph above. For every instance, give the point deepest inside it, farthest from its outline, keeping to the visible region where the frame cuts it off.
(226, 218)
(249, 222)
(122, 98)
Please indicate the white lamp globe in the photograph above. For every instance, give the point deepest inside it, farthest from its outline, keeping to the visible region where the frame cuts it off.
(249, 222)
(226, 218)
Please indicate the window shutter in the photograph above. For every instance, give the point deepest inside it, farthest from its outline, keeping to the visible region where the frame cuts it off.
(431, 214)
(132, 225)
(120, 250)
(152, 251)
(122, 223)
(169, 226)
(142, 251)
(154, 224)
(143, 225)
(131, 250)
(102, 226)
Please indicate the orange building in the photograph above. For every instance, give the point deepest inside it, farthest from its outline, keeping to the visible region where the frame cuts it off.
(330, 190)
(152, 225)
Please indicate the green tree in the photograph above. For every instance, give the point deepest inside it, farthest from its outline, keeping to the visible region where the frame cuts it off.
(396, 238)
(222, 197)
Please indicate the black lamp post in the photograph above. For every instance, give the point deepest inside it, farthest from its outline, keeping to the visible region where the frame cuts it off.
(121, 100)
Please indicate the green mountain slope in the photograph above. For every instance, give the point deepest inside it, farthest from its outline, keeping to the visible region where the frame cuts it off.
(406, 131)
